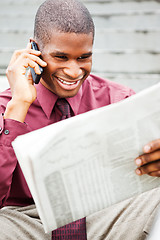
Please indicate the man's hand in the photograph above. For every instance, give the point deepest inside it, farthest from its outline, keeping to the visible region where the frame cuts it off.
(149, 162)
(22, 87)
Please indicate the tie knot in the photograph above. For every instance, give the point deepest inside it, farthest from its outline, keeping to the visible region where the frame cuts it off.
(64, 108)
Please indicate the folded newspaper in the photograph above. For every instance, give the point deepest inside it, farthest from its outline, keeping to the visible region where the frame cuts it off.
(86, 163)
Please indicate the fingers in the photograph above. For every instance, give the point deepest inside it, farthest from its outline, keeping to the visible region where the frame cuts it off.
(32, 61)
(25, 58)
(149, 162)
(32, 64)
(18, 53)
(29, 76)
(29, 45)
(155, 174)
(152, 146)
(152, 169)
(28, 50)
(147, 158)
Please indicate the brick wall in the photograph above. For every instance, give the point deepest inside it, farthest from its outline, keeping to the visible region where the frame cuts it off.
(127, 41)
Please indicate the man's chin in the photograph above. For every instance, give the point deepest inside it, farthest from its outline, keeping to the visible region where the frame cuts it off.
(67, 94)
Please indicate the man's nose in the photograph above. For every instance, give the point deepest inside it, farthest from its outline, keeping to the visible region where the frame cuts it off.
(73, 71)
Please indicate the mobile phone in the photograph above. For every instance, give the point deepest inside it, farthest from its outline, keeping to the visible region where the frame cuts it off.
(36, 77)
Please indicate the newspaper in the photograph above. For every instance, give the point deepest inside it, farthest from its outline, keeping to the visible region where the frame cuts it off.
(86, 163)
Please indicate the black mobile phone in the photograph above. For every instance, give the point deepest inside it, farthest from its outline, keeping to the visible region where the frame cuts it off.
(36, 77)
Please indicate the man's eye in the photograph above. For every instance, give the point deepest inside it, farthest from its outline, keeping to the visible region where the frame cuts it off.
(83, 57)
(61, 57)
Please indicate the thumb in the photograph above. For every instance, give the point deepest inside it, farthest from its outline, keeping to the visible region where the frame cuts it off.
(29, 76)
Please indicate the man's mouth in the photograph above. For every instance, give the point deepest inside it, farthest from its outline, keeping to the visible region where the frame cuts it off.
(66, 82)
(68, 85)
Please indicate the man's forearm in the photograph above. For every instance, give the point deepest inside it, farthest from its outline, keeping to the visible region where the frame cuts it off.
(16, 110)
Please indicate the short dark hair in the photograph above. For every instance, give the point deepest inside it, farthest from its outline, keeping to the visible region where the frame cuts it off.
(69, 16)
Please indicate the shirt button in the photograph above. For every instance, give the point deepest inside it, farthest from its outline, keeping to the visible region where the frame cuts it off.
(6, 132)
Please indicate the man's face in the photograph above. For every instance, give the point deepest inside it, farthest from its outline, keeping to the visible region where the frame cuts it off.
(69, 62)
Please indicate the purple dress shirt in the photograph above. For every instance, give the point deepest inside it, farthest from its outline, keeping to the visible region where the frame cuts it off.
(95, 92)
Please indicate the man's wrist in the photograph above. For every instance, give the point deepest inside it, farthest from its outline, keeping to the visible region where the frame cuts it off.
(16, 110)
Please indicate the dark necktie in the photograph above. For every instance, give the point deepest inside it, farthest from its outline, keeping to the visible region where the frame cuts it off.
(72, 231)
(75, 230)
(64, 108)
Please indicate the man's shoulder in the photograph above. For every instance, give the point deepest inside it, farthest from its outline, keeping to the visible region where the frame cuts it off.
(99, 82)
(115, 90)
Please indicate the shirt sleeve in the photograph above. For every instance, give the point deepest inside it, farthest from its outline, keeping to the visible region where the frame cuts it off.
(118, 92)
(9, 130)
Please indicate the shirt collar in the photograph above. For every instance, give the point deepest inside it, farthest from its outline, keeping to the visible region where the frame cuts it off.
(47, 99)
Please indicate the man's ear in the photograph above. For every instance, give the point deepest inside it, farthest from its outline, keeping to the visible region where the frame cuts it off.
(31, 39)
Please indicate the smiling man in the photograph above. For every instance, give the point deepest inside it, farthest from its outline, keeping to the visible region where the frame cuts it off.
(69, 61)
(64, 33)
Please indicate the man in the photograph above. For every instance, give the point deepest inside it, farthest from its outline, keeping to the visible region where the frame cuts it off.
(64, 33)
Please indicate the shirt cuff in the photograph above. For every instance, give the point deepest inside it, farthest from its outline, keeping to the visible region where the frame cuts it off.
(10, 129)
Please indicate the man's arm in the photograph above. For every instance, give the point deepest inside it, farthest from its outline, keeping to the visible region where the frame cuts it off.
(149, 162)
(22, 88)
(10, 129)
(12, 120)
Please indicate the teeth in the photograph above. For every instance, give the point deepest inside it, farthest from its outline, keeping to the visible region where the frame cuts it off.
(68, 83)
